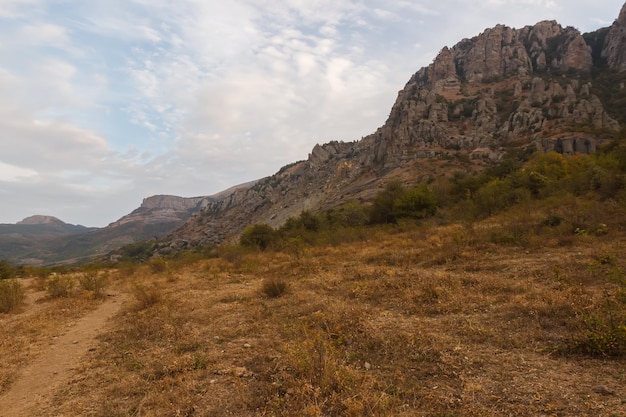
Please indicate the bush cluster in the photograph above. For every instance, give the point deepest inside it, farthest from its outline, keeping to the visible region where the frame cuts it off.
(513, 182)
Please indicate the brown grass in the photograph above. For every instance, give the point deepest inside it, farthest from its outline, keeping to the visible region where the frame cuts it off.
(40, 320)
(423, 322)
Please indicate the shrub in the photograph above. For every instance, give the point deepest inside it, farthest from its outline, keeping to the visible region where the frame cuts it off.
(93, 282)
(417, 203)
(381, 211)
(158, 265)
(602, 334)
(146, 296)
(258, 235)
(310, 221)
(232, 253)
(6, 270)
(497, 195)
(59, 286)
(11, 295)
(294, 246)
(274, 287)
(349, 214)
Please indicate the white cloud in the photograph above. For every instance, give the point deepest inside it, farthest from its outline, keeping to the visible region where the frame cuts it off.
(105, 103)
(13, 9)
(12, 173)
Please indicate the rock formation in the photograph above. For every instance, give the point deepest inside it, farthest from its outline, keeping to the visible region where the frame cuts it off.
(614, 51)
(478, 98)
(161, 209)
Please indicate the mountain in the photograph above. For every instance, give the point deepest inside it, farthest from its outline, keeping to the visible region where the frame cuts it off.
(21, 240)
(47, 240)
(41, 226)
(504, 91)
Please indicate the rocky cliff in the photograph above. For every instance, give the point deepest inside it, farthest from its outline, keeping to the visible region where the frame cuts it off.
(538, 86)
(614, 48)
(161, 209)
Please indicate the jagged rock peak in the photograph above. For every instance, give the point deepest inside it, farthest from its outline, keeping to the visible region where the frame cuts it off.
(614, 51)
(502, 52)
(39, 219)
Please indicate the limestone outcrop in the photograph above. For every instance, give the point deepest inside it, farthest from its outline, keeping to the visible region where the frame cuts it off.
(528, 87)
(614, 51)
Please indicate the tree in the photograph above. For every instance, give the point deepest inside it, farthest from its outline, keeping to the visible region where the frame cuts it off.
(417, 203)
(6, 270)
(348, 214)
(382, 208)
(259, 235)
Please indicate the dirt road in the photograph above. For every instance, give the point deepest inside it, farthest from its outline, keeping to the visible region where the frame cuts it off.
(37, 383)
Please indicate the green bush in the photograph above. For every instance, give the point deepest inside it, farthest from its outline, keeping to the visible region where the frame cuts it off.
(310, 221)
(349, 214)
(6, 270)
(417, 203)
(11, 295)
(258, 235)
(497, 195)
(381, 211)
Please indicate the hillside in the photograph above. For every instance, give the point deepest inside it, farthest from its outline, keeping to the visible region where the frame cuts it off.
(406, 321)
(23, 241)
(504, 92)
(468, 259)
(46, 240)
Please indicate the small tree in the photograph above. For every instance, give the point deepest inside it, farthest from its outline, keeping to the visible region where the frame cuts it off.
(417, 203)
(382, 207)
(310, 221)
(259, 235)
(349, 214)
(6, 270)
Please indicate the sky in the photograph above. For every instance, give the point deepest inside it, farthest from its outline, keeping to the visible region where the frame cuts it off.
(104, 103)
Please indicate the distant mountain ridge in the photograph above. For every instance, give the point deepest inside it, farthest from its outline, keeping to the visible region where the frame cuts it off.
(40, 219)
(44, 239)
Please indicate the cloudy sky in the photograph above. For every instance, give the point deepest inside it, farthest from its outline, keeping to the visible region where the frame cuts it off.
(103, 103)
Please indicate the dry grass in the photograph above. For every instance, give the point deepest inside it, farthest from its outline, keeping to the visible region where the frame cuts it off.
(27, 333)
(11, 295)
(425, 322)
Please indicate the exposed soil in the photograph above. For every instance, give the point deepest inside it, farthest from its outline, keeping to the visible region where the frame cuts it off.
(38, 381)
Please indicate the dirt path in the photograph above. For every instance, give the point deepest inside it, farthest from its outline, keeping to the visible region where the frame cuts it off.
(37, 383)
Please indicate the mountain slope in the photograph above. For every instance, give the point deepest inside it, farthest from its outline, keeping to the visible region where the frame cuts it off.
(542, 86)
(46, 240)
(24, 239)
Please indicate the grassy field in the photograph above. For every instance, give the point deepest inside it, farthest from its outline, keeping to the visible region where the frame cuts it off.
(491, 318)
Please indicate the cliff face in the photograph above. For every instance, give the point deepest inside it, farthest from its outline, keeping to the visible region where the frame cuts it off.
(614, 51)
(160, 209)
(505, 87)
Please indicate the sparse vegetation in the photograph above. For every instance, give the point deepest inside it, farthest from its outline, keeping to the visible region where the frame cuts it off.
(11, 295)
(260, 236)
(274, 287)
(6, 270)
(146, 295)
(60, 285)
(464, 298)
(94, 282)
